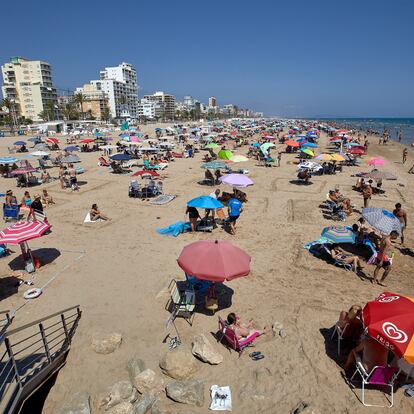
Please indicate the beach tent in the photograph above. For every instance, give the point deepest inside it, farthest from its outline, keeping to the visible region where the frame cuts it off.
(225, 154)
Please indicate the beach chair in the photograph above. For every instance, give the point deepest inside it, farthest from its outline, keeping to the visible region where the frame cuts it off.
(340, 334)
(182, 301)
(134, 189)
(231, 338)
(10, 213)
(221, 215)
(379, 376)
(38, 216)
(102, 162)
(338, 262)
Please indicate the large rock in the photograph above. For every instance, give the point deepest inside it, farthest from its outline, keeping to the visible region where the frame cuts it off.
(147, 382)
(161, 408)
(78, 403)
(187, 392)
(121, 391)
(144, 405)
(106, 343)
(178, 364)
(122, 408)
(203, 350)
(134, 367)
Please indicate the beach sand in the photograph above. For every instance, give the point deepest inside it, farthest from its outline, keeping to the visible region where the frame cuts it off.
(121, 281)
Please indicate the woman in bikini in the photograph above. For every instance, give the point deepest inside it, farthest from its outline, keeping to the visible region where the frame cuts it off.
(338, 254)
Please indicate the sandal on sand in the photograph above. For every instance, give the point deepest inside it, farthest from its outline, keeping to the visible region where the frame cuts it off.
(255, 356)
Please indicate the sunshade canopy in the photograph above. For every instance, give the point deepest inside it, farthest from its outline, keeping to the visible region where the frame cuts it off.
(23, 231)
(205, 202)
(383, 220)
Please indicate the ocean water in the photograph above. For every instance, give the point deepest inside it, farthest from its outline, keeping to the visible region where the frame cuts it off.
(379, 124)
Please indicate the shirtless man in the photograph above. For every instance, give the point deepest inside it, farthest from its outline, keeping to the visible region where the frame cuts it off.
(367, 193)
(384, 258)
(402, 216)
(73, 179)
(373, 354)
(404, 155)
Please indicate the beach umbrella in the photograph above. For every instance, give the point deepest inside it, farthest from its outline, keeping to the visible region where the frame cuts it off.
(265, 147)
(239, 158)
(225, 154)
(236, 180)
(124, 136)
(120, 157)
(8, 160)
(323, 157)
(41, 147)
(35, 139)
(307, 152)
(26, 170)
(145, 172)
(390, 320)
(383, 220)
(70, 159)
(87, 141)
(205, 202)
(19, 143)
(338, 234)
(309, 145)
(336, 141)
(98, 134)
(71, 148)
(212, 145)
(374, 161)
(292, 143)
(357, 151)
(214, 165)
(53, 140)
(23, 231)
(215, 261)
(337, 157)
(40, 153)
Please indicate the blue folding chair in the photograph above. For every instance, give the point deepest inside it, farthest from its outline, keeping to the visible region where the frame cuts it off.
(10, 212)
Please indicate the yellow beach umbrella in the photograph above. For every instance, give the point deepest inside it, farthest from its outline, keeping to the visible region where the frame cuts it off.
(324, 157)
(337, 157)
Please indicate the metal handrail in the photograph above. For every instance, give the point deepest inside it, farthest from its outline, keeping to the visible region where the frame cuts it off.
(40, 354)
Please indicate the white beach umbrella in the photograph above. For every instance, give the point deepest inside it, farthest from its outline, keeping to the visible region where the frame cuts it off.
(40, 153)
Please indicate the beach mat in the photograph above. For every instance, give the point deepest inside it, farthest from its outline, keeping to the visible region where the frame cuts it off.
(162, 199)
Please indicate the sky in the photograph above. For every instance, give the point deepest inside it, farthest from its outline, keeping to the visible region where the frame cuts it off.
(302, 58)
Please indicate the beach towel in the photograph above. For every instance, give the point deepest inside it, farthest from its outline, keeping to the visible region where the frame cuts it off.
(175, 229)
(162, 199)
(88, 219)
(220, 398)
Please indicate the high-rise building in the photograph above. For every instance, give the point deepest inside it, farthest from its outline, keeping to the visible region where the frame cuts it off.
(119, 83)
(150, 109)
(94, 100)
(212, 102)
(28, 83)
(167, 100)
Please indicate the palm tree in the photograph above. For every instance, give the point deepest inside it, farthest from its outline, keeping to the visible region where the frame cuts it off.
(69, 111)
(106, 114)
(12, 109)
(79, 100)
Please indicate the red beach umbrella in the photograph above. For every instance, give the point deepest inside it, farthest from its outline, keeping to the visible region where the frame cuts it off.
(216, 261)
(292, 143)
(87, 141)
(53, 140)
(145, 172)
(23, 231)
(356, 151)
(390, 320)
(27, 170)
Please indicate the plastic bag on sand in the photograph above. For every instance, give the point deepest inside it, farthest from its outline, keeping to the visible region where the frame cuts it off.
(220, 398)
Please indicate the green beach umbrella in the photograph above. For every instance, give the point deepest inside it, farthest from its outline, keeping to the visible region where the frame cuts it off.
(264, 147)
(212, 145)
(225, 154)
(308, 152)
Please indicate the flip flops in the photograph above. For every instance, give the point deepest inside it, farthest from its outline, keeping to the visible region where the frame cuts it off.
(255, 356)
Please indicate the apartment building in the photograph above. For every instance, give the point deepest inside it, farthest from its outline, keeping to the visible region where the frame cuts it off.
(29, 84)
(94, 100)
(168, 102)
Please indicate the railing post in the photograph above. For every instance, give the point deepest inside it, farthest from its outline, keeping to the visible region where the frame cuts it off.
(11, 356)
(65, 328)
(42, 332)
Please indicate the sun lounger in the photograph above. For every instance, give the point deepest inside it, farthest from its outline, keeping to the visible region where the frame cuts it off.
(102, 162)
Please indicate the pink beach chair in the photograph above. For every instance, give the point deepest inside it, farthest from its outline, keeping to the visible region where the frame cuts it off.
(379, 376)
(231, 338)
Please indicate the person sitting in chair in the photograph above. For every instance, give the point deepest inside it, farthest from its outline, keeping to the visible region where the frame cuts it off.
(208, 176)
(351, 322)
(338, 254)
(242, 330)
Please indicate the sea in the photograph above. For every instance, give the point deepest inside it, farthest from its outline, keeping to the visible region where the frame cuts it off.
(393, 125)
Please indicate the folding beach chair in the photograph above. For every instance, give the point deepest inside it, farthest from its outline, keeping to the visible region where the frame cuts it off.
(221, 215)
(379, 376)
(10, 213)
(339, 333)
(182, 301)
(134, 189)
(338, 262)
(231, 338)
(102, 162)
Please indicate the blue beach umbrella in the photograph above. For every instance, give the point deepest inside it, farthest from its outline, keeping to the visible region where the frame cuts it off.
(121, 157)
(35, 139)
(338, 234)
(309, 145)
(383, 220)
(205, 202)
(71, 148)
(214, 165)
(19, 143)
(8, 160)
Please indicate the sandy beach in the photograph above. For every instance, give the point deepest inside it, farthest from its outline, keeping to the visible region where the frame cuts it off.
(119, 271)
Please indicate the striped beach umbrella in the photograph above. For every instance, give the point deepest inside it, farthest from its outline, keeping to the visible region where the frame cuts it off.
(383, 220)
(8, 160)
(338, 234)
(23, 231)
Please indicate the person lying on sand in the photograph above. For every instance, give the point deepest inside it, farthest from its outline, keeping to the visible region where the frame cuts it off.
(96, 214)
(242, 330)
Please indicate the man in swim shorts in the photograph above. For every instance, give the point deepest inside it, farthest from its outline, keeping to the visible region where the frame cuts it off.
(384, 258)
